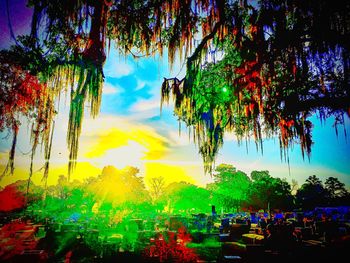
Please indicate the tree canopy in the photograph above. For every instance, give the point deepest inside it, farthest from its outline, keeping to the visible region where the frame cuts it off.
(230, 188)
(255, 68)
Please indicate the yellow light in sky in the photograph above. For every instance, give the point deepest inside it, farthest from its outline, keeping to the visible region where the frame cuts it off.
(127, 155)
(143, 144)
(103, 144)
(170, 173)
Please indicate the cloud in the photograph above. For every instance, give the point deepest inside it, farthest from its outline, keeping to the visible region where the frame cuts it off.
(123, 139)
(115, 67)
(129, 154)
(109, 88)
(146, 105)
(117, 70)
(181, 139)
(140, 84)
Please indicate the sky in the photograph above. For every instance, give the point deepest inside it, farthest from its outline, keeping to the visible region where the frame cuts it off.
(131, 131)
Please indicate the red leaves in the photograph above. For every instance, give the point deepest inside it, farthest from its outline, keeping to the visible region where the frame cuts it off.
(20, 95)
(11, 199)
(32, 91)
(286, 124)
(255, 74)
(290, 123)
(14, 238)
(171, 248)
(286, 132)
(253, 29)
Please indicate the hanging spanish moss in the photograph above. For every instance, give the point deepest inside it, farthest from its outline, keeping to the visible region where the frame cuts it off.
(257, 70)
(10, 166)
(263, 86)
(48, 150)
(89, 88)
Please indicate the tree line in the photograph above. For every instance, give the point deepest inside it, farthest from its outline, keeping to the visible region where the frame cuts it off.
(234, 189)
(125, 191)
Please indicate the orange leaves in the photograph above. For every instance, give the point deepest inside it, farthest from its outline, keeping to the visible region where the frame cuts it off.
(286, 123)
(11, 198)
(253, 29)
(246, 110)
(286, 132)
(206, 27)
(249, 109)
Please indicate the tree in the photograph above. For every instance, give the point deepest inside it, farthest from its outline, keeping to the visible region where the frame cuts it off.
(313, 180)
(264, 84)
(267, 192)
(335, 190)
(259, 84)
(311, 193)
(230, 187)
(282, 198)
(11, 198)
(186, 198)
(157, 187)
(62, 187)
(22, 96)
(120, 187)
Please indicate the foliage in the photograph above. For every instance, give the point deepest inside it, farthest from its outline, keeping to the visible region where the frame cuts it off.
(22, 96)
(230, 187)
(264, 84)
(267, 192)
(242, 75)
(116, 196)
(336, 193)
(312, 193)
(157, 187)
(170, 249)
(120, 187)
(183, 197)
(11, 199)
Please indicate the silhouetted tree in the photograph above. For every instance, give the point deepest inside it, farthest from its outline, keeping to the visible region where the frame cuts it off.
(267, 192)
(336, 191)
(311, 193)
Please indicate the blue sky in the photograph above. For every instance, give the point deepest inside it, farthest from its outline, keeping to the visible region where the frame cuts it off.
(130, 111)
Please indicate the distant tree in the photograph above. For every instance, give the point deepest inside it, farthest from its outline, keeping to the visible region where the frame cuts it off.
(157, 185)
(62, 187)
(230, 187)
(261, 189)
(90, 180)
(120, 187)
(282, 197)
(335, 191)
(311, 193)
(186, 197)
(267, 192)
(313, 180)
